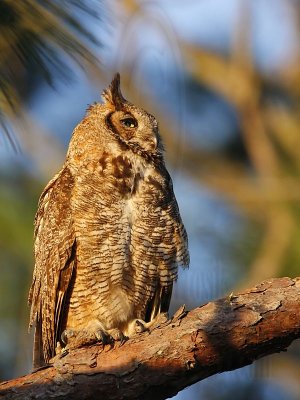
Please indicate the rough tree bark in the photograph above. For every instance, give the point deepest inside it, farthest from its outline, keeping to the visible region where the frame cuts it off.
(219, 336)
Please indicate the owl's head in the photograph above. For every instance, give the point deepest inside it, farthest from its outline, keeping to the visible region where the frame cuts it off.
(117, 121)
(130, 125)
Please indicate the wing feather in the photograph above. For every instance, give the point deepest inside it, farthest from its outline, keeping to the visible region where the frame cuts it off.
(171, 244)
(54, 263)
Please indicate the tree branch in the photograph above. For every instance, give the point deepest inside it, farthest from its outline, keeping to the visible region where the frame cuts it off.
(219, 336)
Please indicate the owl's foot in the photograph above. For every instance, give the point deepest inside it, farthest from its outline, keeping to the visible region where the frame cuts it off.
(138, 326)
(117, 335)
(73, 338)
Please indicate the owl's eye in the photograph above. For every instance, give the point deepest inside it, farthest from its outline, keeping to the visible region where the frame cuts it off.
(129, 122)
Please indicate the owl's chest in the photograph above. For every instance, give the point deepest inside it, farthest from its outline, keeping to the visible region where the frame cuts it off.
(125, 176)
(119, 181)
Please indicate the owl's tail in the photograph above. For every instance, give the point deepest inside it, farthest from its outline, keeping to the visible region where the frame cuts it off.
(38, 355)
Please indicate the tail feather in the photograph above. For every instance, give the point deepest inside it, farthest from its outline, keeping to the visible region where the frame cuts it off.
(38, 354)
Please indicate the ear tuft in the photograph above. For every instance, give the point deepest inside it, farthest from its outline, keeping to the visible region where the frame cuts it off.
(90, 107)
(113, 95)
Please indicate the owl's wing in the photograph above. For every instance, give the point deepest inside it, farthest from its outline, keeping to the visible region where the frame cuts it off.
(54, 264)
(172, 246)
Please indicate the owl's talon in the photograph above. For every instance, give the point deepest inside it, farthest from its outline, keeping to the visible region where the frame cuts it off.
(67, 333)
(101, 337)
(64, 353)
(139, 327)
(117, 335)
(123, 340)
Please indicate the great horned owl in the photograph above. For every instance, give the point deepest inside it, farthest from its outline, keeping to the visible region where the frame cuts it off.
(108, 235)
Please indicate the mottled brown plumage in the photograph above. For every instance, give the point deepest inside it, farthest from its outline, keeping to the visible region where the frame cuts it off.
(108, 235)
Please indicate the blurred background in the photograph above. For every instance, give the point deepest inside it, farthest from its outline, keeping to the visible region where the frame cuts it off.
(223, 80)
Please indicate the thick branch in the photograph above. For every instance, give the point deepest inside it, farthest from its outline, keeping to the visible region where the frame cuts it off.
(222, 335)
